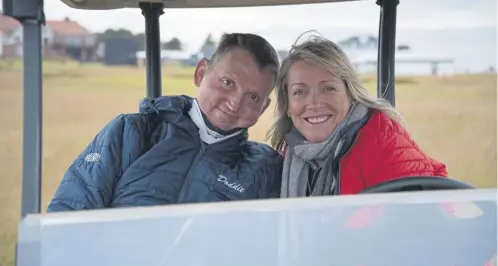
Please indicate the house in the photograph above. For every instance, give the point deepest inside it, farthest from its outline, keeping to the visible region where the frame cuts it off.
(9, 44)
(64, 38)
(69, 38)
(118, 51)
(1, 45)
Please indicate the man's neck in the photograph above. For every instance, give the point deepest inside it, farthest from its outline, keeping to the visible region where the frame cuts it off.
(209, 133)
(218, 130)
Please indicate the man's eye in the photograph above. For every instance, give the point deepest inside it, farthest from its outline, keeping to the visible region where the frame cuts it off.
(226, 83)
(254, 97)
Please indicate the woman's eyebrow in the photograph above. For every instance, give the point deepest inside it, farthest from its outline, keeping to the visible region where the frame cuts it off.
(297, 83)
(335, 81)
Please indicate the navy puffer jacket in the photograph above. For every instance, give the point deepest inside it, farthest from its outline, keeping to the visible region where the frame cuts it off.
(156, 157)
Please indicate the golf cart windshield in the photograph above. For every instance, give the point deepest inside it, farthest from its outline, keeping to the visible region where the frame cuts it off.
(428, 228)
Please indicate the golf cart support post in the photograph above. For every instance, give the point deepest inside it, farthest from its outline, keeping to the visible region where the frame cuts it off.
(386, 49)
(152, 12)
(30, 14)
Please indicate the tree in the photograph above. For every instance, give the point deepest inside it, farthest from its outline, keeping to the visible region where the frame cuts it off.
(111, 33)
(122, 33)
(140, 41)
(209, 41)
(403, 47)
(173, 44)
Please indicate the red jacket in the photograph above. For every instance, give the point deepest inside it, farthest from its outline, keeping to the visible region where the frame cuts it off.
(383, 150)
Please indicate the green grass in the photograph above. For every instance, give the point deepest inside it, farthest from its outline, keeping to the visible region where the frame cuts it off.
(452, 118)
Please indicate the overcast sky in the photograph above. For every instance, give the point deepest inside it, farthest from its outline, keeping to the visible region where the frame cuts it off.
(192, 25)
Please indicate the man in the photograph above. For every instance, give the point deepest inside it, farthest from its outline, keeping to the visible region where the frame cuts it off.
(183, 150)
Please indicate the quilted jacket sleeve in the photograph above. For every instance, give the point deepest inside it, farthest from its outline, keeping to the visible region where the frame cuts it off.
(394, 155)
(89, 181)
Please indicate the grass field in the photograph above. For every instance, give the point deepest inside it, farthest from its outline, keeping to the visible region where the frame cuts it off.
(452, 118)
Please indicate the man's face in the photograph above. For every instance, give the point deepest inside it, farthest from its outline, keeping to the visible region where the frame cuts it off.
(233, 92)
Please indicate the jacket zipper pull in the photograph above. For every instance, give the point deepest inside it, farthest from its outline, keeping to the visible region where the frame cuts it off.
(204, 147)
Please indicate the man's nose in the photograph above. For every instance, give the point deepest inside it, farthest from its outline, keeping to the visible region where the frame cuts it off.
(233, 102)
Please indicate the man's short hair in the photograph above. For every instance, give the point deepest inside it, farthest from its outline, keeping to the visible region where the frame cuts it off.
(260, 49)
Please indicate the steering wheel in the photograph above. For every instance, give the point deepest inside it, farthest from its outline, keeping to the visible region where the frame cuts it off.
(462, 236)
(417, 183)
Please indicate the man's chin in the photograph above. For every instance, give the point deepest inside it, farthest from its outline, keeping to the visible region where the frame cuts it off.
(230, 124)
(225, 126)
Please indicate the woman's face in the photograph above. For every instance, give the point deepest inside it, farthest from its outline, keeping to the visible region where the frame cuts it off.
(318, 100)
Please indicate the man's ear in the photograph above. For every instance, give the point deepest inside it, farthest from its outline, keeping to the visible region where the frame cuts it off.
(265, 105)
(200, 71)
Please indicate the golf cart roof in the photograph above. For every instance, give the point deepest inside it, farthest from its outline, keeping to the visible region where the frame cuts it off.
(117, 4)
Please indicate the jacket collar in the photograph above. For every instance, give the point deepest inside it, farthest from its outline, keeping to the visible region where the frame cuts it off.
(178, 110)
(207, 134)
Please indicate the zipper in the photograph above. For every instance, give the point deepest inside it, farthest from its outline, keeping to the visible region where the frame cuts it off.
(339, 167)
(192, 167)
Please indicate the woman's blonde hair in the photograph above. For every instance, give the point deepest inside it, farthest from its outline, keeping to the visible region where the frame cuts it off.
(323, 53)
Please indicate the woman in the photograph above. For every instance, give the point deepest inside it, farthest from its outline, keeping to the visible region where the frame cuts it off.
(336, 138)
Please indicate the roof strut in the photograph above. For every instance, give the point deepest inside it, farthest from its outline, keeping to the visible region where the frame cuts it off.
(386, 50)
(152, 12)
(30, 14)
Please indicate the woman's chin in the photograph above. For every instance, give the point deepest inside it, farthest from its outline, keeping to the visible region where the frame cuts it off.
(317, 138)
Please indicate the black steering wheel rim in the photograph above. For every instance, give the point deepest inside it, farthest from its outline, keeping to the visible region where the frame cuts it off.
(395, 212)
(417, 183)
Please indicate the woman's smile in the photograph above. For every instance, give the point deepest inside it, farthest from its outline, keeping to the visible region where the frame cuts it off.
(316, 120)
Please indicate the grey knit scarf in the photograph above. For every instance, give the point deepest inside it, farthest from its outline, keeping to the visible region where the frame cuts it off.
(300, 153)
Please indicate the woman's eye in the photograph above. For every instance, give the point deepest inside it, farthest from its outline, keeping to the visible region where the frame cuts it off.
(329, 89)
(297, 92)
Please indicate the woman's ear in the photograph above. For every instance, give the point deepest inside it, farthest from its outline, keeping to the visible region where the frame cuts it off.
(200, 71)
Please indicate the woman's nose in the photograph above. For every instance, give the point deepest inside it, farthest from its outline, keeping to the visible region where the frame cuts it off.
(314, 100)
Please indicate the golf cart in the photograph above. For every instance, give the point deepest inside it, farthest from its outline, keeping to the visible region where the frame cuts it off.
(410, 221)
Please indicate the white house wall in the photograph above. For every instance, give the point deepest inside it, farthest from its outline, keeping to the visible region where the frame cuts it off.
(48, 34)
(1, 45)
(16, 37)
